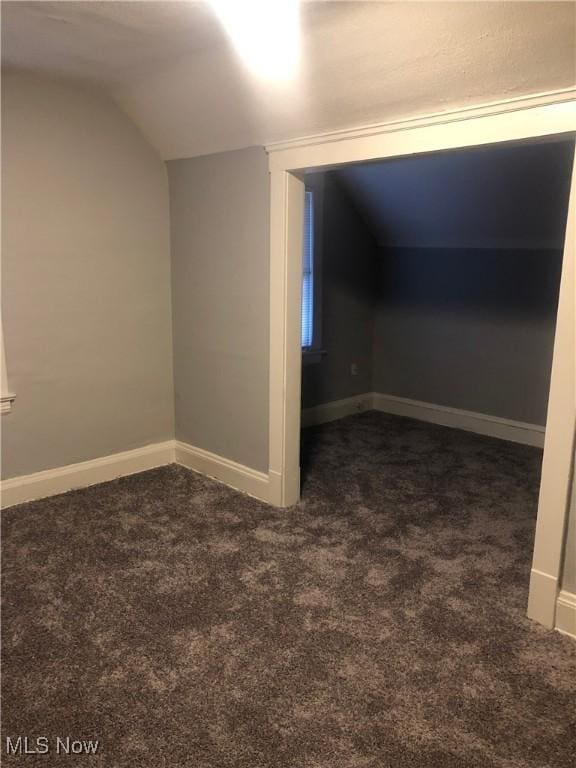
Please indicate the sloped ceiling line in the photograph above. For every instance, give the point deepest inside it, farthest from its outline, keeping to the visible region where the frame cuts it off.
(509, 196)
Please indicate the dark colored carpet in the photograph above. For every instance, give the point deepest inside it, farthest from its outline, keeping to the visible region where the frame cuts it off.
(380, 623)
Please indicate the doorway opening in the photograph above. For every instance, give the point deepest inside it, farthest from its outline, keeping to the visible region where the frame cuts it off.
(289, 163)
(430, 289)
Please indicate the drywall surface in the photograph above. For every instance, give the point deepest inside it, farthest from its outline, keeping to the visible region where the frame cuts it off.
(468, 328)
(85, 279)
(347, 267)
(219, 208)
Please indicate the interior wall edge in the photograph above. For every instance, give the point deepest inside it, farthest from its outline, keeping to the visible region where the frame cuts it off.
(336, 409)
(231, 473)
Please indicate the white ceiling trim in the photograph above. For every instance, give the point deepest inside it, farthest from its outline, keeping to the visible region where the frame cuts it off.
(515, 104)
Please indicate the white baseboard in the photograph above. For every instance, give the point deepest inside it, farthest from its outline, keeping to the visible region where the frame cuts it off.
(481, 423)
(283, 491)
(229, 472)
(337, 409)
(566, 613)
(261, 485)
(542, 598)
(50, 482)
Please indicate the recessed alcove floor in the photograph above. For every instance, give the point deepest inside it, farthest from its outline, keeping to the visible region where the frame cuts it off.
(380, 622)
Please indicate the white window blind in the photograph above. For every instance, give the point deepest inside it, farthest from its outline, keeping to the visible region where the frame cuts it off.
(308, 272)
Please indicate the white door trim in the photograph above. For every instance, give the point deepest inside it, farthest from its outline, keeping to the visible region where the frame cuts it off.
(535, 116)
(541, 114)
(287, 210)
(513, 104)
(555, 484)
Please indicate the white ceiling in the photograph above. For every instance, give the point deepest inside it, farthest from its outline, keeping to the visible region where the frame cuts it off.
(502, 196)
(170, 67)
(107, 43)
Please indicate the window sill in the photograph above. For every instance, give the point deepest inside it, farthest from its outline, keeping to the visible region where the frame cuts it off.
(6, 403)
(312, 356)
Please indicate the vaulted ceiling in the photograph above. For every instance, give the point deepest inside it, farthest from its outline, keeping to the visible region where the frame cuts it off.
(170, 67)
(502, 196)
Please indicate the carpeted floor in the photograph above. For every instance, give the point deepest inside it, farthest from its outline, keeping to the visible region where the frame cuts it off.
(378, 624)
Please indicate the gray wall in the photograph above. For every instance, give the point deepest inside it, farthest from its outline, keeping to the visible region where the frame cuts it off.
(468, 328)
(347, 259)
(85, 279)
(511, 195)
(220, 272)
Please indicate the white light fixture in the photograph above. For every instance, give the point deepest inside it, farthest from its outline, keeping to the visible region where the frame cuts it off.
(265, 33)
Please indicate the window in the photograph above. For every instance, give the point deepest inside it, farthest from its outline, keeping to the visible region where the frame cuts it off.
(308, 272)
(311, 318)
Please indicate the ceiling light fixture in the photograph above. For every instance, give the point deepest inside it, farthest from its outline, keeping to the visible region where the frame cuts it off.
(265, 33)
